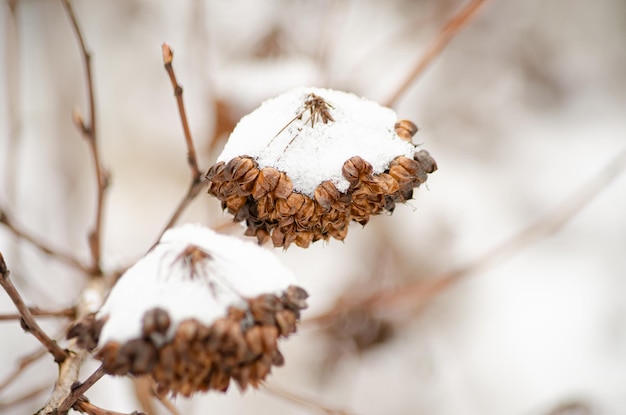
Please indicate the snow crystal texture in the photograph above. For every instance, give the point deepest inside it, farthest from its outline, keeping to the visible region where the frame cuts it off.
(237, 270)
(317, 153)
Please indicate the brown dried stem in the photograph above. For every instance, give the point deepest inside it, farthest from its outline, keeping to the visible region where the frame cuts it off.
(168, 57)
(28, 321)
(42, 246)
(302, 401)
(89, 131)
(447, 33)
(419, 293)
(79, 390)
(197, 182)
(83, 405)
(37, 312)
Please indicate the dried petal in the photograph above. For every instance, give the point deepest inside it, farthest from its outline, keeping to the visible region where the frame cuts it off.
(266, 182)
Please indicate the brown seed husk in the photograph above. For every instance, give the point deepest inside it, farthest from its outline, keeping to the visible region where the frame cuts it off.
(243, 345)
(265, 199)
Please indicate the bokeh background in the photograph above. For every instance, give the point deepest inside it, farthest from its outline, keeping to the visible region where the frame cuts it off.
(525, 106)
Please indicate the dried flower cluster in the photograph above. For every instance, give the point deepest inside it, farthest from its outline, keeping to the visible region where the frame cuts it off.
(329, 163)
(193, 315)
(265, 199)
(242, 345)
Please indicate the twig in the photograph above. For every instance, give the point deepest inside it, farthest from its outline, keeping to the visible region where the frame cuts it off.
(69, 370)
(197, 182)
(300, 400)
(24, 363)
(25, 397)
(418, 293)
(168, 57)
(42, 246)
(83, 405)
(28, 322)
(89, 131)
(79, 390)
(37, 312)
(447, 33)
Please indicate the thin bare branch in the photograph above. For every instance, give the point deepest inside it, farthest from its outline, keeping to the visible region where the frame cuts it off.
(89, 131)
(83, 405)
(79, 390)
(69, 370)
(447, 33)
(168, 57)
(19, 232)
(37, 312)
(302, 401)
(27, 320)
(419, 293)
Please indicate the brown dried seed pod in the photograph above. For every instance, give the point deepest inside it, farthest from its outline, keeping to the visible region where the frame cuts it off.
(187, 331)
(325, 194)
(235, 203)
(426, 161)
(405, 129)
(277, 358)
(219, 380)
(246, 183)
(354, 168)
(266, 182)
(237, 168)
(156, 320)
(399, 173)
(254, 340)
(304, 238)
(388, 183)
(306, 213)
(269, 336)
(410, 165)
(265, 207)
(216, 172)
(113, 362)
(242, 377)
(286, 321)
(278, 238)
(87, 332)
(295, 298)
(284, 187)
(141, 355)
(262, 308)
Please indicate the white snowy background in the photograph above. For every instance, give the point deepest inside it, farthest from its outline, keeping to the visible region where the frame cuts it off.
(524, 106)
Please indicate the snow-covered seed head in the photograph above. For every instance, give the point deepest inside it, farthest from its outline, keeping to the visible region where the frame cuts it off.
(198, 310)
(304, 164)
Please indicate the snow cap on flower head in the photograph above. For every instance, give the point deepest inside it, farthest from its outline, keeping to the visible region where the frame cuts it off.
(199, 309)
(304, 164)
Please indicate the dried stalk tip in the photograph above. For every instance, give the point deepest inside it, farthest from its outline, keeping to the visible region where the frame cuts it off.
(305, 164)
(168, 55)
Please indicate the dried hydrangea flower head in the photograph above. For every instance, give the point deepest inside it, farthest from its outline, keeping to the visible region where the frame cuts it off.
(196, 311)
(304, 164)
